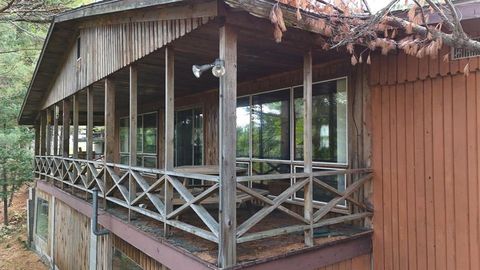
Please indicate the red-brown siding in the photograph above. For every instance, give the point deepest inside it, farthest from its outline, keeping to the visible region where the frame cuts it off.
(358, 263)
(425, 134)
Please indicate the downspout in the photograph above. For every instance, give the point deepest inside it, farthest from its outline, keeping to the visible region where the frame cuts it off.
(95, 229)
(94, 232)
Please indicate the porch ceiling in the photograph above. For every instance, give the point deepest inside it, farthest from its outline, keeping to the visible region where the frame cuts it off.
(259, 56)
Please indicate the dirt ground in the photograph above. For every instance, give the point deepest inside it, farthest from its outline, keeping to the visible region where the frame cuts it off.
(14, 254)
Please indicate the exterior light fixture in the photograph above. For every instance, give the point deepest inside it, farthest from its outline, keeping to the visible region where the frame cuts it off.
(218, 68)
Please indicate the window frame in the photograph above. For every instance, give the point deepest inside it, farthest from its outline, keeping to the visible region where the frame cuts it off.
(37, 214)
(192, 108)
(292, 159)
(140, 154)
(296, 162)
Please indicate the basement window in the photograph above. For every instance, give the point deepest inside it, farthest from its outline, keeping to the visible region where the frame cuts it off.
(461, 53)
(41, 222)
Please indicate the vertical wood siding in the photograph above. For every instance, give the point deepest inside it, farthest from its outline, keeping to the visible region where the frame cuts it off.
(426, 130)
(72, 238)
(105, 49)
(358, 263)
(143, 260)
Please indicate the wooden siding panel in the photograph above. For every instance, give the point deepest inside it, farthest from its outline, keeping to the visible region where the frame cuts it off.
(105, 49)
(401, 174)
(378, 237)
(140, 258)
(425, 162)
(357, 263)
(472, 171)
(398, 67)
(72, 238)
(438, 174)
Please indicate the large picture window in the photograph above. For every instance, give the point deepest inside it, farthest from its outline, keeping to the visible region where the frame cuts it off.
(329, 122)
(146, 140)
(188, 137)
(271, 125)
(270, 131)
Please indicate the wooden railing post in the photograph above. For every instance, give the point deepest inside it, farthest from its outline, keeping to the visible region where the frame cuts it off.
(89, 131)
(48, 135)
(65, 136)
(227, 148)
(76, 109)
(66, 128)
(307, 144)
(43, 132)
(89, 134)
(56, 115)
(132, 186)
(109, 131)
(169, 128)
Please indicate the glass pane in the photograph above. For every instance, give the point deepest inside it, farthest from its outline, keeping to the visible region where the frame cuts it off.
(271, 125)
(243, 126)
(124, 136)
(42, 218)
(259, 168)
(149, 162)
(120, 261)
(183, 138)
(124, 159)
(320, 194)
(198, 137)
(150, 133)
(329, 122)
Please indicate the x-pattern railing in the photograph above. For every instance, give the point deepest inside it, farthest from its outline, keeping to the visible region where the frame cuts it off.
(155, 189)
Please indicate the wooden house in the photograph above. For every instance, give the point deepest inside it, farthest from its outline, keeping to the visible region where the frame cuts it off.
(279, 156)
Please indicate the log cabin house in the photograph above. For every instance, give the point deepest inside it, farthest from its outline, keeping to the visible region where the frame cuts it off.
(285, 156)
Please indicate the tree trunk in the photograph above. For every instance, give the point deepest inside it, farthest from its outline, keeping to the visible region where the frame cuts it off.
(5, 199)
(12, 190)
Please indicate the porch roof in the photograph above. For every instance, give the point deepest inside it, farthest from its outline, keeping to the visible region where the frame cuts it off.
(64, 30)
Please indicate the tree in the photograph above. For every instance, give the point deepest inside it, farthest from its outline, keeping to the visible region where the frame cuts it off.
(350, 24)
(23, 28)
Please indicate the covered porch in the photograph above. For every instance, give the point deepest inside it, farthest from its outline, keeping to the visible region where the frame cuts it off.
(276, 150)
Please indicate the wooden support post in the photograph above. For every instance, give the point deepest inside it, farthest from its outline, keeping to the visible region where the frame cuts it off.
(132, 186)
(227, 148)
(307, 143)
(89, 144)
(76, 110)
(169, 128)
(43, 133)
(109, 130)
(37, 148)
(66, 128)
(56, 115)
(48, 135)
(65, 143)
(89, 124)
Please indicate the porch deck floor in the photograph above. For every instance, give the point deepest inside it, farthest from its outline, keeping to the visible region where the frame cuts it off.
(246, 252)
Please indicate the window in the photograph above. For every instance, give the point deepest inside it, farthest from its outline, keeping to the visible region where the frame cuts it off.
(271, 125)
(329, 122)
(270, 132)
(123, 262)
(243, 127)
(188, 137)
(146, 140)
(41, 222)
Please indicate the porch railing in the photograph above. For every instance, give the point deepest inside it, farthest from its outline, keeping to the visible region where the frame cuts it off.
(150, 201)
